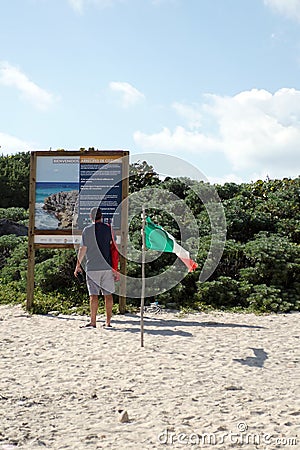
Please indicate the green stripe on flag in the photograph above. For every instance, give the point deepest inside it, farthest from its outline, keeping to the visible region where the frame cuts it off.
(156, 238)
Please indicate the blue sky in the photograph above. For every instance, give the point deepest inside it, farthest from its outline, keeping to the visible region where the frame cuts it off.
(50, 171)
(214, 82)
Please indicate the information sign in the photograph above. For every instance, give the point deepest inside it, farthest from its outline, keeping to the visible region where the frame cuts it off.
(64, 186)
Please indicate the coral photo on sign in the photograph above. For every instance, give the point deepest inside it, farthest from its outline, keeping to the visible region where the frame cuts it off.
(56, 193)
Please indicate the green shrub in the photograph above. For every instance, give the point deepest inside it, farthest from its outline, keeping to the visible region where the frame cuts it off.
(222, 293)
(13, 250)
(14, 213)
(12, 292)
(259, 270)
(14, 180)
(266, 299)
(56, 273)
(8, 242)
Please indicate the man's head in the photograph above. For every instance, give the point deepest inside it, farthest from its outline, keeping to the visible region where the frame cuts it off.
(96, 214)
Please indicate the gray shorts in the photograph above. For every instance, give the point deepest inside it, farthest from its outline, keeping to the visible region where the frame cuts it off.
(100, 281)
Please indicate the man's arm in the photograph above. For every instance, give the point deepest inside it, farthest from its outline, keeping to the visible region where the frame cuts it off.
(80, 256)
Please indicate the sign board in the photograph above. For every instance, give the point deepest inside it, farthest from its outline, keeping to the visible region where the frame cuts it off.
(64, 186)
(68, 186)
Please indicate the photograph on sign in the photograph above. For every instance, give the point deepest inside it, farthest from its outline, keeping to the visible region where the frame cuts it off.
(57, 187)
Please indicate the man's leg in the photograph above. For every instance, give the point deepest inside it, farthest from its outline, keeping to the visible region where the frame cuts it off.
(108, 308)
(93, 308)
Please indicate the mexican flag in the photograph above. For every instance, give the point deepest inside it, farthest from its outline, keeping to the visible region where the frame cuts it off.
(156, 238)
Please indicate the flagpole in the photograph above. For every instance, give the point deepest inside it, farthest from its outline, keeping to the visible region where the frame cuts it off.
(143, 275)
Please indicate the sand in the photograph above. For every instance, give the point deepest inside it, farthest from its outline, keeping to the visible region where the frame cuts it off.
(216, 381)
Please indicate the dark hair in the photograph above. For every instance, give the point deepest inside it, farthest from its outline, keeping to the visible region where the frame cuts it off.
(96, 214)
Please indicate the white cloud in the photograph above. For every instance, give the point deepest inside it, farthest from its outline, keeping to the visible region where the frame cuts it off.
(129, 94)
(255, 130)
(229, 178)
(192, 113)
(180, 140)
(289, 8)
(77, 5)
(11, 144)
(13, 77)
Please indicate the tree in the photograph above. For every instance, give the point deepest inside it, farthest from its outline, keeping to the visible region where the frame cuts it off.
(141, 175)
(14, 180)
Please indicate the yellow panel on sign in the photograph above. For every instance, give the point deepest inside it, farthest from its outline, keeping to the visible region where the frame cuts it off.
(98, 159)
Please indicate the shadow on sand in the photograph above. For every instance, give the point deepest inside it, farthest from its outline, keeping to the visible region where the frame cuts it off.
(172, 326)
(166, 327)
(254, 361)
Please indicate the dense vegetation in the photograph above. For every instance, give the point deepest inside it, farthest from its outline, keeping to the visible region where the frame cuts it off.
(259, 270)
(14, 180)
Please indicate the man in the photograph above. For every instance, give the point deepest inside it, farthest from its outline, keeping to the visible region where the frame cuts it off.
(96, 248)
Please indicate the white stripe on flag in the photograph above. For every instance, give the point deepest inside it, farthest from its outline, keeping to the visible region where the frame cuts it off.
(180, 252)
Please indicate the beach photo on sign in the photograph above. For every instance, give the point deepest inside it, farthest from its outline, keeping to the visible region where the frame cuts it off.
(54, 205)
(56, 192)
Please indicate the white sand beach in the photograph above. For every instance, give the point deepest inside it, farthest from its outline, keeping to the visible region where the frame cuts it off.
(215, 381)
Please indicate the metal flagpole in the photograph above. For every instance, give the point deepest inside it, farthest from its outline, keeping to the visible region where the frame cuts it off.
(143, 275)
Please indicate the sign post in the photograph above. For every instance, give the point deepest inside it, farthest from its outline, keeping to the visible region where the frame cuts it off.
(31, 248)
(124, 236)
(143, 275)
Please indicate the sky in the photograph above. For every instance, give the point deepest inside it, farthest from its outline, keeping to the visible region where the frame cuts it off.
(55, 170)
(215, 83)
